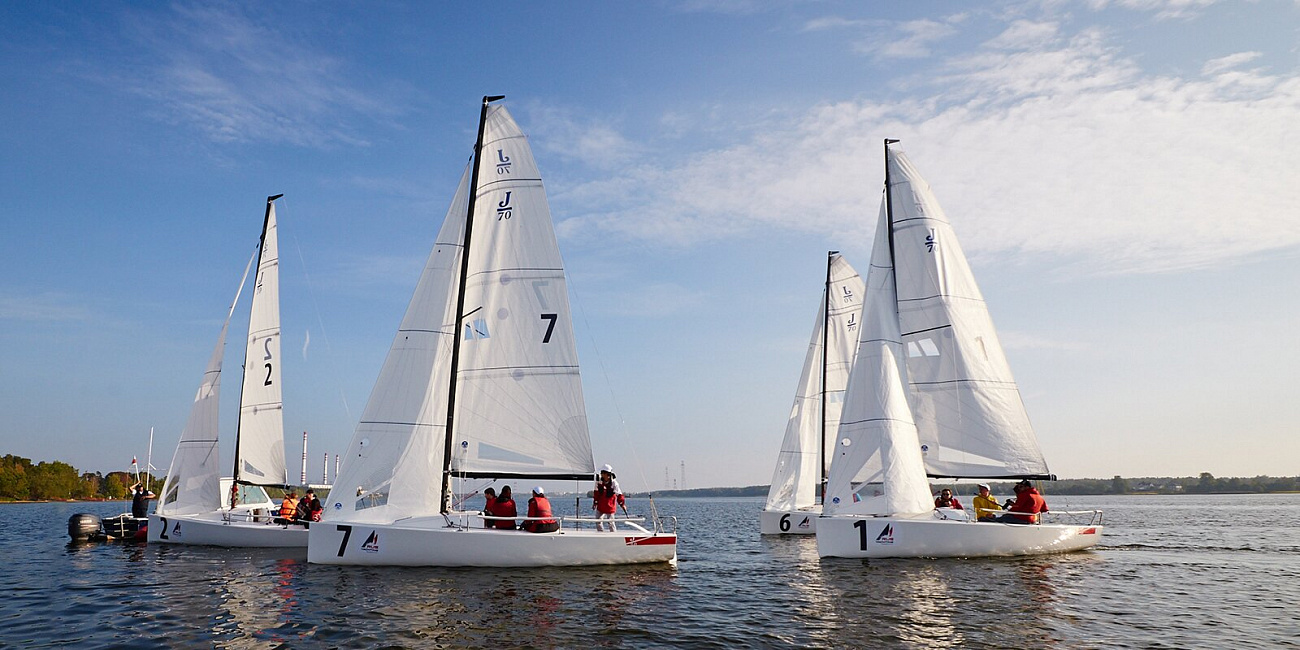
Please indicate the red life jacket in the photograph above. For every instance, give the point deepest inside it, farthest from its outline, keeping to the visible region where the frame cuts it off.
(606, 498)
(503, 508)
(540, 507)
(1028, 500)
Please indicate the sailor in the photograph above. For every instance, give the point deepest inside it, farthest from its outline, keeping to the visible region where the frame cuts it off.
(985, 504)
(504, 506)
(139, 502)
(606, 495)
(289, 506)
(540, 519)
(1028, 501)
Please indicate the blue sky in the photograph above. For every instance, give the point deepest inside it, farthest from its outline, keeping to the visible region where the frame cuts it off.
(1122, 174)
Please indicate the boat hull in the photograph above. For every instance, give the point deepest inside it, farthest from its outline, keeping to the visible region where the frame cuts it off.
(432, 543)
(859, 537)
(789, 522)
(211, 530)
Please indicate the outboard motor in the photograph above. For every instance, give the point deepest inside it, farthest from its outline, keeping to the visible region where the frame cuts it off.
(83, 526)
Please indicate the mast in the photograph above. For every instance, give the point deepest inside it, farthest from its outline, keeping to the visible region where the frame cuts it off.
(460, 303)
(826, 322)
(261, 242)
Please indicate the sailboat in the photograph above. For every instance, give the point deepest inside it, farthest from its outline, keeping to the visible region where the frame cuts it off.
(930, 395)
(792, 507)
(481, 382)
(197, 505)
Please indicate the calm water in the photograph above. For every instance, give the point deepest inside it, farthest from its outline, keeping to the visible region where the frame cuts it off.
(1171, 572)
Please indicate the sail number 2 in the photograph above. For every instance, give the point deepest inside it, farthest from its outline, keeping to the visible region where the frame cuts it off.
(267, 347)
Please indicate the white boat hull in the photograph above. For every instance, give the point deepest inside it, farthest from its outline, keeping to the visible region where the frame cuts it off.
(789, 522)
(211, 530)
(429, 542)
(925, 536)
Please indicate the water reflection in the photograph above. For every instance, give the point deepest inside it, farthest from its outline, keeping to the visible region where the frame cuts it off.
(992, 602)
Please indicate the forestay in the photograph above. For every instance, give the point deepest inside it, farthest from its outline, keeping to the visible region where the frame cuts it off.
(391, 468)
(259, 451)
(878, 445)
(192, 485)
(971, 420)
(808, 436)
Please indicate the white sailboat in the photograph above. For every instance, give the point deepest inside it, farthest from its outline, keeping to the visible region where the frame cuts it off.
(200, 507)
(481, 382)
(930, 393)
(792, 505)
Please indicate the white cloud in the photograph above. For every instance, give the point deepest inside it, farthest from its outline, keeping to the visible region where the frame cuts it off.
(1215, 66)
(1163, 9)
(915, 44)
(42, 307)
(234, 80)
(1025, 34)
(1068, 154)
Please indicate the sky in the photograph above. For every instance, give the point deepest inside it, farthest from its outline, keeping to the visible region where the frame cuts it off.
(1123, 175)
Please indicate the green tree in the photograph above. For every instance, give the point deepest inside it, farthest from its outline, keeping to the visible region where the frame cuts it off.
(1118, 485)
(113, 487)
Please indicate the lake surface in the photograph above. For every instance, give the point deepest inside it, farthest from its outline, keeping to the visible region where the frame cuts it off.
(1170, 572)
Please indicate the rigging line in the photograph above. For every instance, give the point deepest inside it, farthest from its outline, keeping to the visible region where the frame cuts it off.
(333, 361)
(600, 360)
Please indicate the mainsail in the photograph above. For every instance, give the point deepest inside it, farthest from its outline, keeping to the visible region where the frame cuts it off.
(805, 453)
(259, 447)
(518, 409)
(968, 411)
(192, 485)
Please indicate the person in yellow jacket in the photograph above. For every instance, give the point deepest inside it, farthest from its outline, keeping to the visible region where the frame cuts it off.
(985, 504)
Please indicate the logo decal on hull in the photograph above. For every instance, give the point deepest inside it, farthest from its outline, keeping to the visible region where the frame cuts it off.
(176, 530)
(805, 523)
(371, 545)
(1088, 531)
(886, 536)
(650, 541)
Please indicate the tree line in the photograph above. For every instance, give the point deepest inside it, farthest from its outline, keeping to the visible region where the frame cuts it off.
(21, 480)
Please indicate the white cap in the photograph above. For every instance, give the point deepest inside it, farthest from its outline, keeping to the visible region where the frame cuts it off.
(983, 485)
(607, 468)
(539, 490)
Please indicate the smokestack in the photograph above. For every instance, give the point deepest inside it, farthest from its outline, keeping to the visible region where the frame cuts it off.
(325, 470)
(304, 458)
(336, 467)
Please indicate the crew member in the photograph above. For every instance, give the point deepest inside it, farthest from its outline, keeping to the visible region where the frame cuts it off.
(540, 519)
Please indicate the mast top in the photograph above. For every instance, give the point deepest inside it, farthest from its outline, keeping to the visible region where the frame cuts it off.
(272, 198)
(488, 99)
(831, 253)
(889, 141)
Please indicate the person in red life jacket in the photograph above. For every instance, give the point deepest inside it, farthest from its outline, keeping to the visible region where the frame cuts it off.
(504, 506)
(1028, 501)
(309, 508)
(604, 498)
(489, 497)
(540, 519)
(288, 507)
(947, 500)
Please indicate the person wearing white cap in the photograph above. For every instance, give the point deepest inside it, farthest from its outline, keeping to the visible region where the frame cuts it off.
(606, 495)
(540, 519)
(985, 504)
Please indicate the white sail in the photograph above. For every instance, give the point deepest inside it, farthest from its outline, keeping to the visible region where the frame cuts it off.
(968, 411)
(192, 485)
(259, 452)
(878, 446)
(808, 437)
(393, 464)
(519, 409)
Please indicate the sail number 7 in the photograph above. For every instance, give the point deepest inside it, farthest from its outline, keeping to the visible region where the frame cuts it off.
(550, 326)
